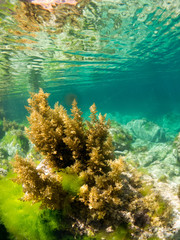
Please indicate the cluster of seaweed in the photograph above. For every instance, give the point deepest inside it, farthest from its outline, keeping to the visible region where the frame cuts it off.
(79, 174)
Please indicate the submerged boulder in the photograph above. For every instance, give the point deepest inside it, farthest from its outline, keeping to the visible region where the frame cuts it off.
(121, 138)
(3, 172)
(15, 141)
(146, 130)
(4, 165)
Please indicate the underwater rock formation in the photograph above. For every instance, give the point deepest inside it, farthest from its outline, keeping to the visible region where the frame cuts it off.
(14, 142)
(177, 145)
(4, 165)
(80, 176)
(146, 130)
(121, 138)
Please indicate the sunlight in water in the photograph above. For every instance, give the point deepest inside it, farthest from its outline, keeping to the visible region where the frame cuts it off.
(49, 4)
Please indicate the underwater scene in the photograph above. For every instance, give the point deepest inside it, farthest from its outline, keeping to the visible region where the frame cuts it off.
(89, 119)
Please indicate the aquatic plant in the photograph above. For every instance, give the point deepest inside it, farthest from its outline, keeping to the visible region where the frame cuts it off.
(23, 220)
(79, 174)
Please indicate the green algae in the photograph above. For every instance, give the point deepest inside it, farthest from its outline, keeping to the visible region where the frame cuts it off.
(178, 192)
(153, 238)
(120, 233)
(71, 183)
(24, 220)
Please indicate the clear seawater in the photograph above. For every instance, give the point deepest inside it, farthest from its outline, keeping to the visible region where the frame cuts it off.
(122, 55)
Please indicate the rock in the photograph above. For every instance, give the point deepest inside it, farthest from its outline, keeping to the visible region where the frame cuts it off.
(146, 130)
(3, 172)
(4, 164)
(159, 159)
(169, 194)
(121, 138)
(15, 141)
(177, 145)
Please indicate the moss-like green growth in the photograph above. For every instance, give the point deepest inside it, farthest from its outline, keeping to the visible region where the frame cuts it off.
(4, 163)
(146, 189)
(9, 138)
(25, 220)
(178, 193)
(154, 238)
(162, 208)
(163, 178)
(142, 170)
(71, 183)
(121, 233)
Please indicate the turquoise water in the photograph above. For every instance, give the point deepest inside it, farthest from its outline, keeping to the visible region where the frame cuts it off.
(122, 55)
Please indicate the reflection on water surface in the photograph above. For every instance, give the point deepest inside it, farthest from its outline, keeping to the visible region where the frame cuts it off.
(78, 46)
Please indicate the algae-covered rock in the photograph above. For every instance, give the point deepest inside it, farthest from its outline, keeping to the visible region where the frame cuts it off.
(146, 130)
(15, 141)
(158, 159)
(121, 138)
(3, 172)
(4, 163)
(177, 147)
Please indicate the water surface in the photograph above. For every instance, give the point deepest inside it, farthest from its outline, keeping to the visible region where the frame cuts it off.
(122, 55)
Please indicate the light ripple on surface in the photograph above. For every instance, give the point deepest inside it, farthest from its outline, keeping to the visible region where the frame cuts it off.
(119, 35)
